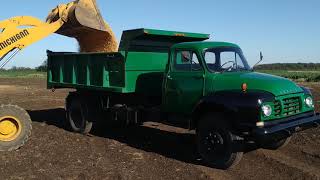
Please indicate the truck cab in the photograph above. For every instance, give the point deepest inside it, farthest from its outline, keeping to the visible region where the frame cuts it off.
(196, 70)
(218, 72)
(177, 75)
(213, 83)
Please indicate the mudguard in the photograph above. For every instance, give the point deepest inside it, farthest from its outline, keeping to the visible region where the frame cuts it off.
(242, 108)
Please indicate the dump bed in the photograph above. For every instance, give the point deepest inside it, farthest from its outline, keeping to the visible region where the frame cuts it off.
(86, 70)
(138, 66)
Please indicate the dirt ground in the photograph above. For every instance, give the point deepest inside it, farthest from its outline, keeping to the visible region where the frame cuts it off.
(152, 151)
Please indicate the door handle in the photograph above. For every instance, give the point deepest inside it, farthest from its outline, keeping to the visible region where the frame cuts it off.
(169, 77)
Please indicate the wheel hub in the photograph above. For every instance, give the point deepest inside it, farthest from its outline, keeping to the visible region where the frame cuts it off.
(9, 128)
(213, 140)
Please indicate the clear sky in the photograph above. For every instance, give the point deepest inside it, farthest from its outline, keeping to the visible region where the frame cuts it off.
(285, 30)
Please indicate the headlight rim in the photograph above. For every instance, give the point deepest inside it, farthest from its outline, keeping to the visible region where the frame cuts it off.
(264, 108)
(309, 99)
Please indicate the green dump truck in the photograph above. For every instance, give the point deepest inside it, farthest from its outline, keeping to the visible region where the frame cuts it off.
(179, 77)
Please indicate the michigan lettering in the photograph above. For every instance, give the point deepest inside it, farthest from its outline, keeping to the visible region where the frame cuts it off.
(13, 39)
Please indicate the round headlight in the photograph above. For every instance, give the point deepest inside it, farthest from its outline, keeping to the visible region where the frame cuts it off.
(266, 110)
(309, 102)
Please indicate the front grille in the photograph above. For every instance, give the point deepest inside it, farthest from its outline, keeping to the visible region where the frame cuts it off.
(291, 106)
(287, 107)
(277, 108)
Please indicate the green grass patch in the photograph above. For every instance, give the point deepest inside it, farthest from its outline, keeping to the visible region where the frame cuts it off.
(30, 73)
(305, 76)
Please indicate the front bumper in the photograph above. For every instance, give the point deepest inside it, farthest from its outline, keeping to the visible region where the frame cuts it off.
(286, 127)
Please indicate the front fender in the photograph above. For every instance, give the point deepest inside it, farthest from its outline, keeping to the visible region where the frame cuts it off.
(242, 109)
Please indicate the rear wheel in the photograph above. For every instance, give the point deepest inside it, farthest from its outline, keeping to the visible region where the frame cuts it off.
(15, 127)
(217, 145)
(77, 114)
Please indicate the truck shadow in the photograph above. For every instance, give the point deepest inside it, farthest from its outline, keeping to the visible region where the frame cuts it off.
(174, 145)
(179, 146)
(55, 117)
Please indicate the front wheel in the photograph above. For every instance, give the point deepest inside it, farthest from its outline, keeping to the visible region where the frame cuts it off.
(15, 127)
(217, 145)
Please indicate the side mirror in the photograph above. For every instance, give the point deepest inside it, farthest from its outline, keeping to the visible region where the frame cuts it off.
(261, 56)
(261, 59)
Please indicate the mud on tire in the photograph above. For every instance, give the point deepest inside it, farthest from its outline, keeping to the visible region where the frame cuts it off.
(15, 127)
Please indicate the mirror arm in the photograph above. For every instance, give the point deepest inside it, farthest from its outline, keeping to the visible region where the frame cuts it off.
(261, 59)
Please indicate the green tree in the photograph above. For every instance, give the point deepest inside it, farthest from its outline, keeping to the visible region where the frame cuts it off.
(43, 67)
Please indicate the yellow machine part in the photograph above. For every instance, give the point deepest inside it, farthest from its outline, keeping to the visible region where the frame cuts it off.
(80, 19)
(10, 128)
(84, 22)
(19, 32)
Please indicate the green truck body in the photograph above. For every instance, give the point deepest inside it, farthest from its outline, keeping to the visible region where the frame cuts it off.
(207, 85)
(142, 56)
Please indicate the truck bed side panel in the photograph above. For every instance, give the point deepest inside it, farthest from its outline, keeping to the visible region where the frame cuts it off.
(144, 72)
(87, 70)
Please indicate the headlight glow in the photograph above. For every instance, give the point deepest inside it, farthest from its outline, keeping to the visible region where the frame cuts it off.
(309, 102)
(267, 110)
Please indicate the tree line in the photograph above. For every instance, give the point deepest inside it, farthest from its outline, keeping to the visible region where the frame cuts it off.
(289, 66)
(41, 68)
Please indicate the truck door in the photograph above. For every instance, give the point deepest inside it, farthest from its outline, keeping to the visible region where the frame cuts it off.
(184, 82)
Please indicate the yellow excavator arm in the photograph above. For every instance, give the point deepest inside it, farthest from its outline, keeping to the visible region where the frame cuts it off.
(77, 19)
(19, 32)
(81, 20)
(22, 31)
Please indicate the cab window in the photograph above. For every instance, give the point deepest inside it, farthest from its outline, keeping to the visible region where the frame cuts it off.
(211, 58)
(225, 59)
(187, 61)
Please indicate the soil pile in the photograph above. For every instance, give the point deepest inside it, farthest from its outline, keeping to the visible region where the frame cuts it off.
(99, 41)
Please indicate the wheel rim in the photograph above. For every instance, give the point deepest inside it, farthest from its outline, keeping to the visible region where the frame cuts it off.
(213, 142)
(214, 146)
(76, 115)
(10, 128)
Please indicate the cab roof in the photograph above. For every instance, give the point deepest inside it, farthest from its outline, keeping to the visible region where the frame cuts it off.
(203, 45)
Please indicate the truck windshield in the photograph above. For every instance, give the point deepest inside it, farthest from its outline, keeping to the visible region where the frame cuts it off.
(225, 59)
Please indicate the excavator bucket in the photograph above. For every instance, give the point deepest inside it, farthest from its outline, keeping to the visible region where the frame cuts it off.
(84, 22)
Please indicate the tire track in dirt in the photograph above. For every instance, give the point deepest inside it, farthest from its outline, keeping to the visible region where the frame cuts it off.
(310, 172)
(262, 165)
(291, 162)
(137, 163)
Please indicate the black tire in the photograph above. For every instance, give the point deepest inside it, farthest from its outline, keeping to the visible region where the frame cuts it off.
(77, 114)
(217, 146)
(20, 121)
(278, 144)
